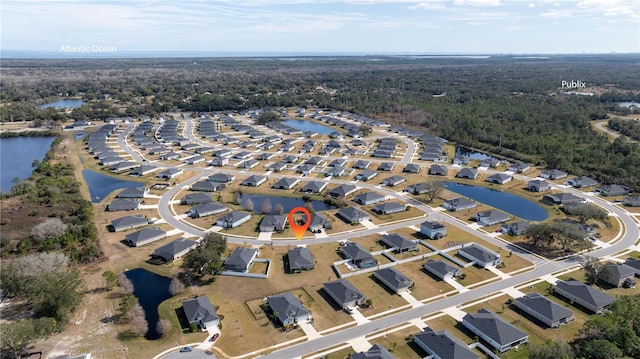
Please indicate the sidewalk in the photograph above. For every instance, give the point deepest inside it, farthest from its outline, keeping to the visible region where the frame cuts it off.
(410, 299)
(358, 317)
(498, 272)
(309, 330)
(452, 282)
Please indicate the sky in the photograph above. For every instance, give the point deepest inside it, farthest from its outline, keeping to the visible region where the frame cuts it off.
(323, 26)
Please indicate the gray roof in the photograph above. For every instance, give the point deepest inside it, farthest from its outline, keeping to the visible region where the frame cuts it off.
(314, 161)
(199, 308)
(209, 207)
(517, 227)
(353, 213)
(495, 327)
(367, 174)
(132, 192)
(633, 263)
(411, 167)
(197, 198)
(618, 270)
(299, 258)
(285, 306)
(221, 177)
(169, 172)
(386, 166)
(343, 190)
(171, 249)
(367, 197)
(397, 241)
(355, 251)
(460, 201)
(439, 267)
(392, 277)
(123, 204)
(563, 197)
(390, 207)
(438, 169)
(254, 179)
(467, 172)
(205, 185)
(479, 252)
(432, 225)
(313, 186)
(144, 235)
(492, 215)
(499, 177)
(129, 221)
(234, 216)
(343, 290)
(361, 164)
(544, 306)
(377, 351)
(444, 345)
(285, 182)
(585, 292)
(273, 222)
(239, 258)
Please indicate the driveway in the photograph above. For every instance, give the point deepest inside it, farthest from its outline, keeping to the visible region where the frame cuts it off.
(195, 354)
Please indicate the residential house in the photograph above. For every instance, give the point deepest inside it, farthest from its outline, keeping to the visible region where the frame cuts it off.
(491, 217)
(170, 173)
(358, 255)
(287, 309)
(201, 312)
(144, 170)
(343, 190)
(442, 269)
(123, 204)
(468, 173)
(386, 166)
(634, 264)
(494, 330)
(265, 156)
(612, 190)
(195, 160)
(438, 170)
(221, 177)
(418, 188)
(515, 229)
(314, 187)
(366, 175)
(393, 181)
(561, 198)
(361, 164)
(366, 198)
(543, 309)
(394, 280)
(249, 164)
(233, 219)
(207, 186)
(273, 223)
(376, 351)
(538, 186)
(458, 204)
(285, 183)
(479, 255)
(318, 223)
(583, 182)
(460, 159)
(206, 209)
(278, 166)
(219, 162)
(584, 295)
(553, 174)
(389, 208)
(631, 201)
(352, 215)
(519, 167)
(133, 192)
(442, 345)
(174, 250)
(398, 242)
(618, 275)
(290, 159)
(170, 156)
(499, 178)
(305, 169)
(128, 222)
(344, 293)
(336, 171)
(123, 166)
(300, 259)
(339, 162)
(144, 236)
(411, 168)
(316, 161)
(240, 259)
(196, 198)
(433, 230)
(254, 181)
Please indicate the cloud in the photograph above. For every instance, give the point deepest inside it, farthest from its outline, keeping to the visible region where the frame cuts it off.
(477, 3)
(427, 5)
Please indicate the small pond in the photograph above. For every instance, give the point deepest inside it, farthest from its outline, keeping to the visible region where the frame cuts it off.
(304, 125)
(628, 104)
(101, 185)
(473, 155)
(287, 203)
(60, 104)
(17, 155)
(507, 202)
(151, 290)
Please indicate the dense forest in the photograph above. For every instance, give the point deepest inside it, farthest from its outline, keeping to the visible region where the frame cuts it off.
(505, 105)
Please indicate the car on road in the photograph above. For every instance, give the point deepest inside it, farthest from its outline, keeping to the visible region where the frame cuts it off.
(186, 349)
(214, 337)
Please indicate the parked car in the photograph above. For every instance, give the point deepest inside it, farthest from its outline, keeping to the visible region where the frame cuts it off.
(186, 349)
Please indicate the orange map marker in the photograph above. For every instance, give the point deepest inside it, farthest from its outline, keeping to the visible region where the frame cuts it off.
(299, 230)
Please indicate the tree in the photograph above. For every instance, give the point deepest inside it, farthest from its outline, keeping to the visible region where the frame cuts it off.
(125, 283)
(137, 321)
(50, 228)
(164, 326)
(176, 286)
(540, 235)
(592, 268)
(111, 279)
(598, 349)
(433, 189)
(248, 205)
(365, 130)
(17, 336)
(266, 206)
(268, 116)
(206, 259)
(278, 209)
(551, 349)
(126, 303)
(585, 211)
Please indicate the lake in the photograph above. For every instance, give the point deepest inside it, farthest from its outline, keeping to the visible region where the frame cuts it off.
(507, 202)
(304, 125)
(287, 203)
(101, 185)
(628, 104)
(60, 104)
(151, 290)
(472, 154)
(16, 156)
